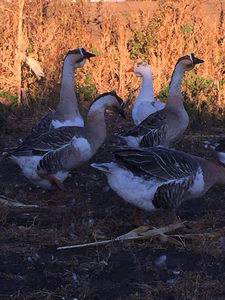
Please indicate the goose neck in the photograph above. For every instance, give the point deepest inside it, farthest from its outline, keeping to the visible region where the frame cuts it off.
(68, 77)
(147, 87)
(68, 99)
(68, 69)
(96, 128)
(96, 118)
(174, 96)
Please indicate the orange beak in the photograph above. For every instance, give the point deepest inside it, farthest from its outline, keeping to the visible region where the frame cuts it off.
(131, 70)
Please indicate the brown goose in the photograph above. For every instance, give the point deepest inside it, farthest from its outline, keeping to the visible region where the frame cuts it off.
(50, 157)
(67, 112)
(157, 177)
(167, 125)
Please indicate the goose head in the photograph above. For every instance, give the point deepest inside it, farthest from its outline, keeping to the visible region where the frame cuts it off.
(141, 69)
(189, 61)
(109, 100)
(79, 56)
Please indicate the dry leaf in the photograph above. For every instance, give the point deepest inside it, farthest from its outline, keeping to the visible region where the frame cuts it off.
(139, 233)
(35, 66)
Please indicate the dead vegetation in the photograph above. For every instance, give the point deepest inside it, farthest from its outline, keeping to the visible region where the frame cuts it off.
(50, 28)
(31, 266)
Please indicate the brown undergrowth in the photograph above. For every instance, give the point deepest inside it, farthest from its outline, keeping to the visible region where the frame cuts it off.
(50, 29)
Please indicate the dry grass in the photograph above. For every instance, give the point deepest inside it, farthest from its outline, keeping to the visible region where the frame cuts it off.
(51, 28)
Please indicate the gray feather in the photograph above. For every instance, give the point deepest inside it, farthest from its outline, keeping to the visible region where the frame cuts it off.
(172, 194)
(158, 162)
(152, 129)
(41, 127)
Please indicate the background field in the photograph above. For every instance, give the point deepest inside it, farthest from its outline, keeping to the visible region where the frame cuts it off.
(158, 32)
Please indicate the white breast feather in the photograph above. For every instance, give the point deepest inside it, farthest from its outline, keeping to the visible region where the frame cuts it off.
(133, 189)
(198, 185)
(83, 146)
(28, 164)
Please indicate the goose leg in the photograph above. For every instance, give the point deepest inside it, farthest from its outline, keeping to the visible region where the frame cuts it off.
(53, 180)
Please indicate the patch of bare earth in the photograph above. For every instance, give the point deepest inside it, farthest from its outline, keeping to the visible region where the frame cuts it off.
(32, 267)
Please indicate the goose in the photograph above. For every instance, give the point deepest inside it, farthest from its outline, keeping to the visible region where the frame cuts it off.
(157, 177)
(67, 112)
(165, 126)
(145, 104)
(49, 158)
(218, 147)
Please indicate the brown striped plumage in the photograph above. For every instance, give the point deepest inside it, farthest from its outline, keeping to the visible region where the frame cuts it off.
(157, 177)
(60, 150)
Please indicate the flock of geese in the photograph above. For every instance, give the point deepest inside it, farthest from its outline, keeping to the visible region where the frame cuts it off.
(146, 172)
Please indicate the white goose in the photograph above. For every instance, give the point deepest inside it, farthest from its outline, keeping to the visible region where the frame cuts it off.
(67, 112)
(49, 158)
(165, 126)
(151, 178)
(145, 104)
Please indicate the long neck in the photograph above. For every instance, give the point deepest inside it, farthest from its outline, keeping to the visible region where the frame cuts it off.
(146, 92)
(174, 97)
(68, 100)
(96, 125)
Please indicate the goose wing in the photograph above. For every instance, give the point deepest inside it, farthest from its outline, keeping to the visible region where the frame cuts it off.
(40, 128)
(54, 161)
(68, 156)
(172, 194)
(158, 162)
(51, 140)
(150, 129)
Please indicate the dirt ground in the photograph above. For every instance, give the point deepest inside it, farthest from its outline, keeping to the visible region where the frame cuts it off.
(32, 267)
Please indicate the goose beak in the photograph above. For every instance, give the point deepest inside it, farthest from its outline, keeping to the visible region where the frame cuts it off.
(197, 60)
(88, 54)
(131, 70)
